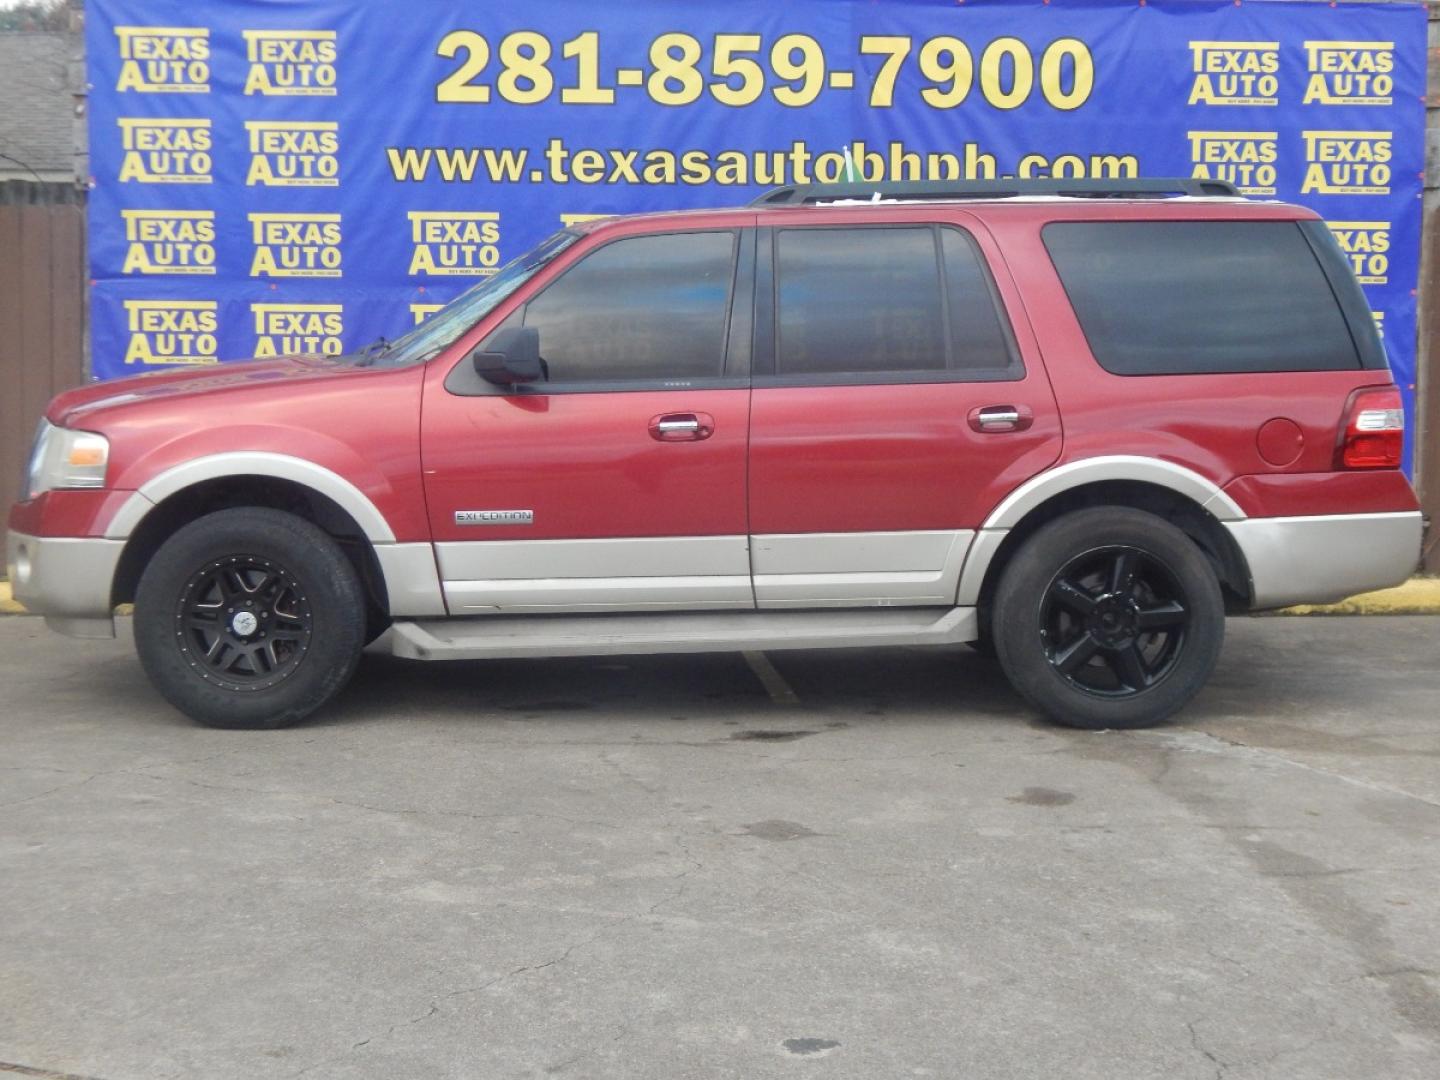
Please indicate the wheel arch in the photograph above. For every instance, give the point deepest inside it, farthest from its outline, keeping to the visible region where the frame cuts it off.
(1191, 507)
(146, 527)
(280, 468)
(1088, 472)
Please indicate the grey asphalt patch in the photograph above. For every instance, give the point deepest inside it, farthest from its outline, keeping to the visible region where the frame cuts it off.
(574, 868)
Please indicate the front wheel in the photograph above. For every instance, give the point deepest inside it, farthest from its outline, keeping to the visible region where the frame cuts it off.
(1108, 618)
(249, 618)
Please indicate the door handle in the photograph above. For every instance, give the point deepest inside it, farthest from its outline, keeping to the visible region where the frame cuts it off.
(989, 419)
(682, 427)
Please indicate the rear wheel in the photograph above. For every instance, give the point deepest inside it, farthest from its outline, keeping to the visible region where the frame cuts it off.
(249, 618)
(1108, 618)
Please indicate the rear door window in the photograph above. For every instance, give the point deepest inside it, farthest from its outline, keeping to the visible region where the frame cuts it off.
(1197, 297)
(886, 304)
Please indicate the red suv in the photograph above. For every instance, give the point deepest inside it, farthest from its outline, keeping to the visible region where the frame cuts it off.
(1075, 423)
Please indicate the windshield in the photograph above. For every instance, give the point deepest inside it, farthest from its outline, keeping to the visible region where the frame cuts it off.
(440, 330)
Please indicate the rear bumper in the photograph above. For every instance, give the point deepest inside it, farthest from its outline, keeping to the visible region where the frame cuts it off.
(65, 579)
(1316, 560)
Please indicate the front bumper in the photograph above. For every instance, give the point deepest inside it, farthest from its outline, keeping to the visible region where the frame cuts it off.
(1317, 560)
(65, 579)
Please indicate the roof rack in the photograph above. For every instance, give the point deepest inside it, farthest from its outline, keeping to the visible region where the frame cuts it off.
(934, 190)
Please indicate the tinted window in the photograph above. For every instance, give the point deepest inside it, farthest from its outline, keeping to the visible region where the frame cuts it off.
(649, 308)
(858, 300)
(1185, 297)
(1352, 298)
(978, 340)
(874, 301)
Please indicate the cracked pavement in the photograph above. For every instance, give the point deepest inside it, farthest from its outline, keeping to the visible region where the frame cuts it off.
(661, 867)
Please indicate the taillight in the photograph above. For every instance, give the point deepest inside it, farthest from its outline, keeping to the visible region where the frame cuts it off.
(1374, 435)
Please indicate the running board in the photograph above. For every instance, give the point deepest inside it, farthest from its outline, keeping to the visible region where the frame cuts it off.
(492, 637)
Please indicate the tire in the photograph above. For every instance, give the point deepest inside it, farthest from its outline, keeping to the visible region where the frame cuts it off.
(249, 618)
(1108, 618)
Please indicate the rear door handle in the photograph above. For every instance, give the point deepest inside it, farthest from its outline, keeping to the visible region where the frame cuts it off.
(989, 419)
(682, 427)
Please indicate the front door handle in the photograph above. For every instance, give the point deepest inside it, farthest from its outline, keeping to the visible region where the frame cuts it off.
(988, 419)
(682, 427)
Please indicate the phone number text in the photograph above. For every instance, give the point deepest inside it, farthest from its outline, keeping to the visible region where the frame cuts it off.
(738, 70)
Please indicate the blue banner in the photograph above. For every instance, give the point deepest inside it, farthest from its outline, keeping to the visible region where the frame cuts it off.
(274, 176)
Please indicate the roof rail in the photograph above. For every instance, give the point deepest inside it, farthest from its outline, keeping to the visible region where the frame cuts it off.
(934, 190)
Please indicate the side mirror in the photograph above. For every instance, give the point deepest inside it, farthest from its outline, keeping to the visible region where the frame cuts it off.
(511, 357)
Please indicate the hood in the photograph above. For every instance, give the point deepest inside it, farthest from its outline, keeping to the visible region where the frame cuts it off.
(75, 408)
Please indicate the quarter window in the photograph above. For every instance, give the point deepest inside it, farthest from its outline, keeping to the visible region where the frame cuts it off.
(1197, 297)
(642, 309)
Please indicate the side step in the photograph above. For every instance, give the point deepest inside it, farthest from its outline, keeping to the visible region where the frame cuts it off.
(492, 637)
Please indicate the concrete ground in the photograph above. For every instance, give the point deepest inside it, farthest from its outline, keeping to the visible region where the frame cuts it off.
(866, 865)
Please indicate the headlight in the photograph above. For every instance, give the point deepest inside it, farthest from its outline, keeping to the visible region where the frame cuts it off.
(66, 459)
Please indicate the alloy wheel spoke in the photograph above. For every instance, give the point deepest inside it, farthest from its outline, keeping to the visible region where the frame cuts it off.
(1122, 572)
(1068, 659)
(1070, 595)
(229, 657)
(230, 583)
(1162, 616)
(266, 578)
(1129, 666)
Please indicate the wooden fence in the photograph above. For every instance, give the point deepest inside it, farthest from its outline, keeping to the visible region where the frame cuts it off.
(42, 313)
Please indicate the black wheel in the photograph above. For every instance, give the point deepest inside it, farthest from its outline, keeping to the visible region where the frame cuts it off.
(249, 618)
(1108, 618)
